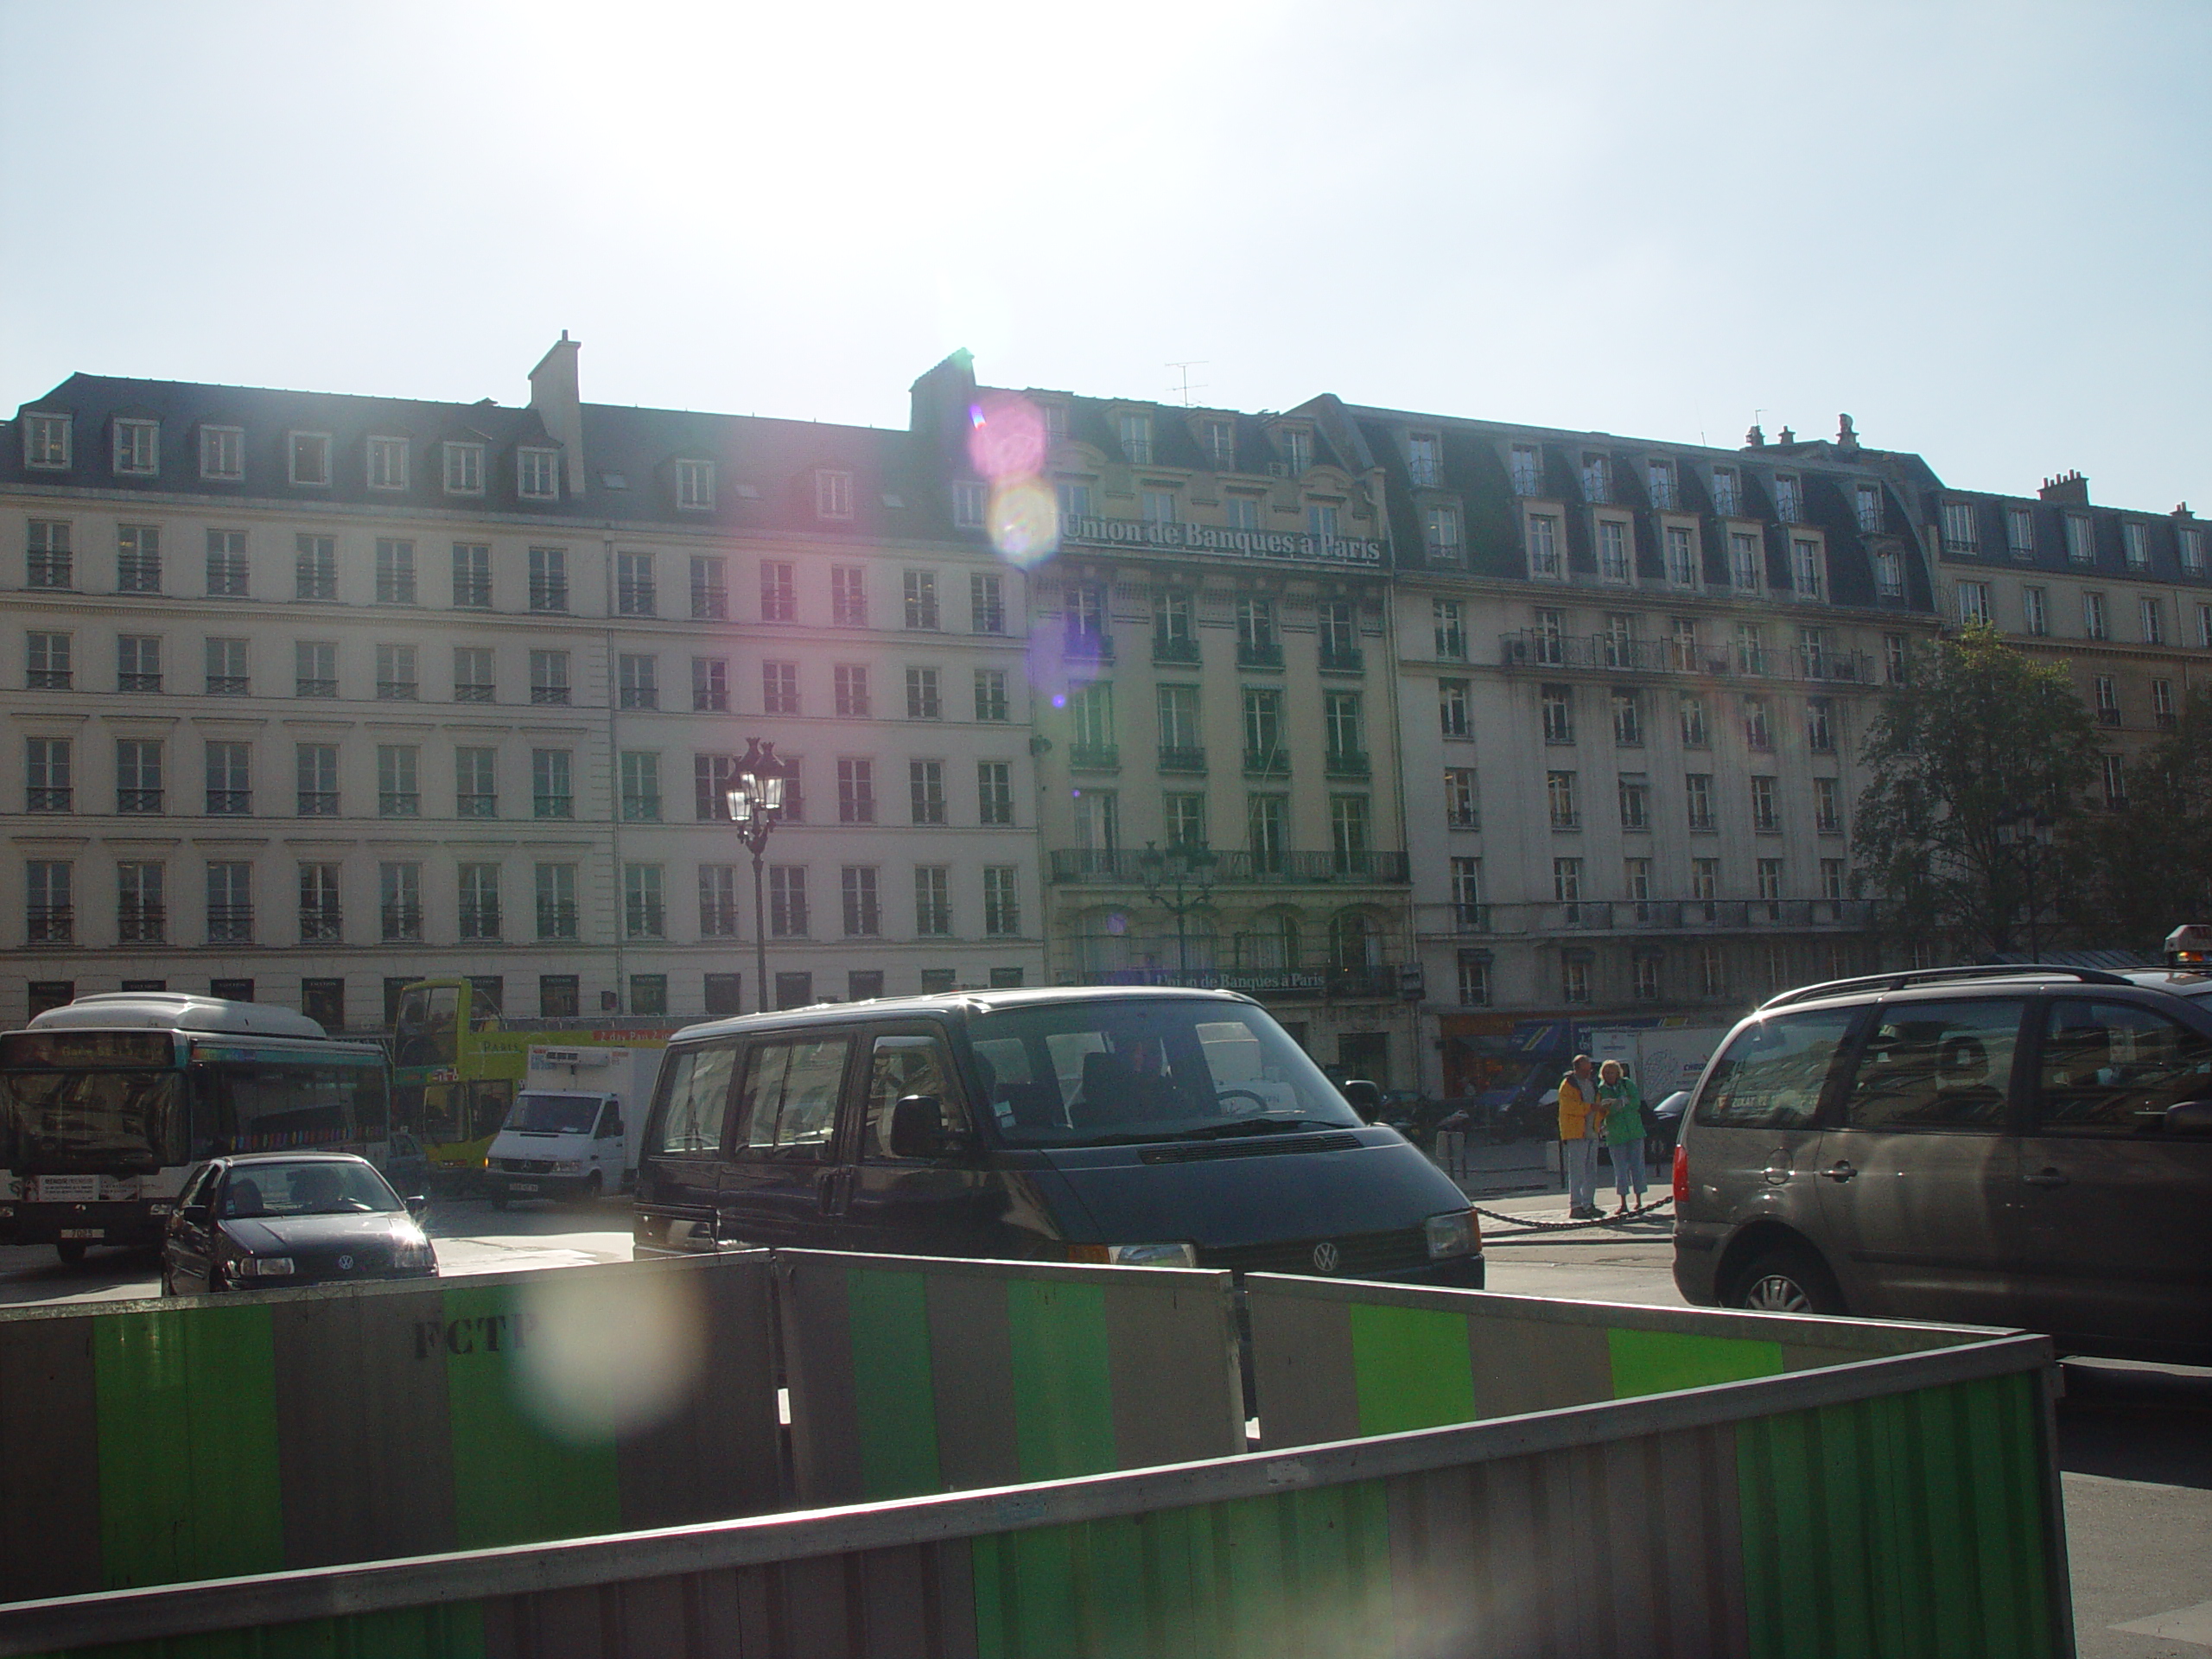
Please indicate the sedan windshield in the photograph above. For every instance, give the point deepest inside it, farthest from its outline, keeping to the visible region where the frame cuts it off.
(322, 1187)
(1108, 1073)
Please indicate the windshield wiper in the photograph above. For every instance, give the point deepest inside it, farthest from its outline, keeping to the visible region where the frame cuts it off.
(1272, 1123)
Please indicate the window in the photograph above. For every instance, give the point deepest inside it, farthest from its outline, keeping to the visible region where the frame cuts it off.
(548, 677)
(986, 603)
(970, 500)
(1833, 880)
(1559, 713)
(1085, 617)
(1267, 828)
(315, 773)
(1727, 492)
(2108, 1068)
(46, 440)
(636, 677)
(1635, 790)
(787, 901)
(478, 886)
(718, 901)
(2191, 543)
(1973, 604)
(695, 486)
(1628, 719)
(856, 790)
(1450, 629)
(1321, 521)
(1869, 514)
(1526, 464)
(1566, 881)
(1179, 743)
(643, 916)
(920, 591)
(709, 684)
(46, 657)
(464, 468)
(2106, 690)
(1769, 880)
(1452, 705)
(49, 910)
(1765, 819)
(230, 784)
(1136, 433)
(1597, 479)
(2093, 616)
(1695, 734)
(227, 565)
(850, 680)
(1896, 659)
(1263, 736)
(994, 792)
(553, 887)
(922, 702)
(475, 787)
(399, 901)
(864, 915)
(537, 476)
(137, 663)
(2081, 540)
(2161, 703)
(1559, 792)
(635, 591)
(1185, 819)
(1338, 629)
(778, 591)
(1613, 551)
(1173, 641)
(1820, 725)
(1705, 880)
(2203, 626)
(552, 795)
(1440, 533)
(1827, 806)
(1348, 833)
(1681, 557)
(138, 447)
(2154, 621)
(315, 568)
(141, 902)
(387, 460)
(640, 770)
(1157, 507)
(2021, 532)
(1074, 502)
(47, 560)
(1744, 561)
(649, 993)
(1758, 734)
(398, 785)
(1474, 980)
(1697, 796)
(47, 785)
(1575, 976)
(991, 694)
(472, 674)
(1543, 547)
(925, 791)
(2115, 780)
(833, 495)
(397, 679)
(1341, 724)
(308, 454)
(2135, 545)
(2034, 611)
(1958, 534)
(780, 688)
(1644, 969)
(849, 595)
(1788, 500)
(549, 579)
(1806, 559)
(472, 576)
(1090, 722)
(1002, 901)
(1467, 891)
(230, 903)
(1242, 510)
(1462, 809)
(138, 559)
(933, 901)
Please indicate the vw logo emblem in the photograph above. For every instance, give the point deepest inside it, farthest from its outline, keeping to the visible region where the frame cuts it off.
(345, 1264)
(1324, 1257)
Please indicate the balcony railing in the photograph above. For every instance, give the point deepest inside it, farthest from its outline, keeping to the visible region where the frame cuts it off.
(323, 927)
(398, 804)
(51, 924)
(315, 688)
(1348, 660)
(1268, 763)
(1532, 648)
(2107, 716)
(1083, 646)
(138, 800)
(230, 924)
(553, 806)
(137, 682)
(640, 697)
(480, 920)
(398, 690)
(401, 922)
(318, 804)
(230, 803)
(228, 685)
(1122, 866)
(557, 920)
(1685, 916)
(1249, 655)
(142, 923)
(1094, 757)
(47, 679)
(545, 695)
(1174, 651)
(1346, 763)
(476, 806)
(1182, 760)
(59, 800)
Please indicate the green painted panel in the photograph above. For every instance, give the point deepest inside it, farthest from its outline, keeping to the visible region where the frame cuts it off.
(1659, 1362)
(188, 1445)
(894, 1397)
(1063, 1403)
(513, 1483)
(1412, 1367)
(453, 1631)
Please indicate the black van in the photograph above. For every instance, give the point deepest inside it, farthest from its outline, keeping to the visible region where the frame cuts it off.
(1167, 1125)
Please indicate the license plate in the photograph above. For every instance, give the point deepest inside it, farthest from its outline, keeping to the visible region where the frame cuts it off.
(69, 1189)
(522, 1186)
(84, 1232)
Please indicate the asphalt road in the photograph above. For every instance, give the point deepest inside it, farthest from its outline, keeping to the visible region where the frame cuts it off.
(2135, 1440)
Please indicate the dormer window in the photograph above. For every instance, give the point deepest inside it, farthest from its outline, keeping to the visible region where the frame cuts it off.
(2021, 532)
(464, 468)
(1528, 463)
(538, 475)
(1659, 478)
(1055, 423)
(1870, 506)
(1425, 459)
(1297, 449)
(138, 447)
(2136, 545)
(1727, 493)
(1220, 438)
(387, 463)
(2192, 549)
(695, 486)
(309, 453)
(1321, 521)
(1597, 479)
(2081, 541)
(833, 495)
(1959, 535)
(969, 499)
(1789, 499)
(222, 453)
(1135, 431)
(46, 442)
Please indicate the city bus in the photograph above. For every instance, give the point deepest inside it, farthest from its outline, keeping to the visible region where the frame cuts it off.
(457, 1063)
(106, 1103)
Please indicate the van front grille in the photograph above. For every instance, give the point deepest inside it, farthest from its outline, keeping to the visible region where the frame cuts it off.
(1361, 1256)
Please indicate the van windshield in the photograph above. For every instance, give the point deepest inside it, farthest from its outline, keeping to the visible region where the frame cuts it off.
(1110, 1072)
(536, 1114)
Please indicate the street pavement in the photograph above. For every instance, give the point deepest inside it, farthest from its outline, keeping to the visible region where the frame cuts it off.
(2135, 1441)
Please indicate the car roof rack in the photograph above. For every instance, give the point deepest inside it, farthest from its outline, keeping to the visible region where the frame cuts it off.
(1941, 975)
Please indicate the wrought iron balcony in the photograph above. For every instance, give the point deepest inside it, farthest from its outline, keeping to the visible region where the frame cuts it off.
(1182, 760)
(1690, 917)
(401, 922)
(1174, 651)
(1120, 866)
(1250, 655)
(1348, 660)
(1268, 763)
(51, 924)
(145, 923)
(230, 924)
(1094, 757)
(324, 925)
(1346, 763)
(1082, 646)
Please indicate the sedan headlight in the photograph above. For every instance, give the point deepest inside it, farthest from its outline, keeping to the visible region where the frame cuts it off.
(1453, 1233)
(1136, 1255)
(414, 1252)
(264, 1267)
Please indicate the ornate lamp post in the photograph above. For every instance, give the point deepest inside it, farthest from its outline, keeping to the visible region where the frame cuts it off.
(1179, 881)
(2028, 833)
(756, 804)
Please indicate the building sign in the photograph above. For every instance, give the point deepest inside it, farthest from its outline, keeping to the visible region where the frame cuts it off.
(1266, 546)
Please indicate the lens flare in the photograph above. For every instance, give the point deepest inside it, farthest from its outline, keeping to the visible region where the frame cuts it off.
(1006, 436)
(1024, 522)
(610, 1352)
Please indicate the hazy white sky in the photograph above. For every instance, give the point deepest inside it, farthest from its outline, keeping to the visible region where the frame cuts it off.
(1985, 230)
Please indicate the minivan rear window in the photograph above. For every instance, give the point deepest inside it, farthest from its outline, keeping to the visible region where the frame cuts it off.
(1771, 1075)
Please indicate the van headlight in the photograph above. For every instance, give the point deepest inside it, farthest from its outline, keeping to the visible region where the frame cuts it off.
(1136, 1255)
(1453, 1233)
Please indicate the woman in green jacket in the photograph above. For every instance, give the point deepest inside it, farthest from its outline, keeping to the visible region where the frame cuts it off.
(1623, 1104)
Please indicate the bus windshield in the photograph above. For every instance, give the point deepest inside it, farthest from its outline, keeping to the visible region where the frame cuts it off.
(92, 1120)
(430, 1027)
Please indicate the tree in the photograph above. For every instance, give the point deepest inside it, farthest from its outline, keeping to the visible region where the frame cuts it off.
(1979, 733)
(2149, 866)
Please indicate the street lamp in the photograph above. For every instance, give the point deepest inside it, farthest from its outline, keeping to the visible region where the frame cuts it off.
(756, 804)
(1179, 881)
(2027, 832)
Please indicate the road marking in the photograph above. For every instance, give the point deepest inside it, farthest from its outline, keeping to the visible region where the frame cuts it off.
(2190, 1625)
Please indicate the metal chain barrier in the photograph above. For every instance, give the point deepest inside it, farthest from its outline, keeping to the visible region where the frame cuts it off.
(1522, 1225)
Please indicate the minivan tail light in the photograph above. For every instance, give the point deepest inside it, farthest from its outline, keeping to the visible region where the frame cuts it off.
(1681, 1173)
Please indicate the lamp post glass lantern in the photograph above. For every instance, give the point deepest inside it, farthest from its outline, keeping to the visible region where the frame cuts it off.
(1179, 881)
(756, 805)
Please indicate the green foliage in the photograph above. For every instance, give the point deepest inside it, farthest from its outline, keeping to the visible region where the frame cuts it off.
(2149, 867)
(1979, 731)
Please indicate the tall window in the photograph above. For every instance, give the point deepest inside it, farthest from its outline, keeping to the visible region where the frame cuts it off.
(1959, 532)
(1744, 561)
(548, 677)
(538, 475)
(46, 440)
(230, 781)
(142, 908)
(1338, 629)
(1788, 500)
(1185, 819)
(864, 913)
(1263, 733)
(1180, 744)
(1424, 458)
(49, 904)
(399, 793)
(1267, 828)
(1697, 797)
(464, 468)
(552, 793)
(48, 562)
(1566, 881)
(1450, 629)
(994, 792)
(46, 661)
(2135, 544)
(1628, 719)
(2154, 621)
(227, 564)
(2081, 540)
(549, 579)
(637, 679)
(709, 684)
(1001, 900)
(476, 788)
(315, 772)
(472, 674)
(1820, 725)
(1527, 466)
(1597, 479)
(1759, 735)
(787, 901)
(933, 901)
(970, 502)
(1558, 702)
(1257, 643)
(47, 775)
(1440, 528)
(310, 455)
(925, 791)
(554, 889)
(138, 559)
(1462, 804)
(138, 663)
(1090, 721)
(2093, 616)
(472, 576)
(1868, 500)
(695, 486)
(1173, 641)
(640, 770)
(923, 698)
(1634, 791)
(709, 588)
(1349, 837)
(314, 567)
(1827, 806)
(229, 902)
(833, 494)
(478, 886)
(399, 901)
(1342, 725)
(138, 775)
(856, 790)
(1973, 604)
(1727, 492)
(1765, 818)
(1613, 551)
(1474, 980)
(1807, 555)
(920, 597)
(636, 593)
(779, 591)
(1659, 484)
(138, 447)
(2021, 532)
(986, 603)
(1135, 432)
(1543, 547)
(643, 916)
(850, 681)
(398, 679)
(1452, 708)
(395, 572)
(1695, 734)
(1559, 793)
(718, 901)
(1681, 557)
(849, 595)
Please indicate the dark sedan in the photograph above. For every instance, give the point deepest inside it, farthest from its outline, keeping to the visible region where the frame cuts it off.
(268, 1220)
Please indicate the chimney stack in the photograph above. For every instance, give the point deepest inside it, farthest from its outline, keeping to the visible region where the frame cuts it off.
(554, 396)
(1847, 436)
(2071, 489)
(1755, 439)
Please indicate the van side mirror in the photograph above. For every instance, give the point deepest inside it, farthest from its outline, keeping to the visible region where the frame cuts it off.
(1365, 1097)
(2189, 1117)
(610, 1127)
(918, 1129)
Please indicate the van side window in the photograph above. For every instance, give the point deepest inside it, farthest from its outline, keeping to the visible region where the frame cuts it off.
(698, 1096)
(789, 1098)
(2110, 1068)
(902, 1065)
(1936, 1065)
(1772, 1076)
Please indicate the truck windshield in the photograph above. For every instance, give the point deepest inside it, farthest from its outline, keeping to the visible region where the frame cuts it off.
(536, 1114)
(1109, 1072)
(79, 1120)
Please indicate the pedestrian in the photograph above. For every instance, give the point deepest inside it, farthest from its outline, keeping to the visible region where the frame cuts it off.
(1623, 1106)
(1582, 1120)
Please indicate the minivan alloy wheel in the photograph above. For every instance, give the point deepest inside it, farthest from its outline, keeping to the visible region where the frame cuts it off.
(1786, 1282)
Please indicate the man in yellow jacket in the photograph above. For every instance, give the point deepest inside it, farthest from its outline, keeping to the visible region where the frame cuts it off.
(1581, 1122)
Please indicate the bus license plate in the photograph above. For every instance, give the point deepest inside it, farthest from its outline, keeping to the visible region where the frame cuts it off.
(522, 1186)
(69, 1189)
(84, 1232)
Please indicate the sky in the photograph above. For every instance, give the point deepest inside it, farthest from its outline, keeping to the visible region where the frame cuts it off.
(1983, 230)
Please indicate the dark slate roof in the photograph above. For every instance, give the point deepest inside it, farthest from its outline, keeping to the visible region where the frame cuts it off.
(1992, 536)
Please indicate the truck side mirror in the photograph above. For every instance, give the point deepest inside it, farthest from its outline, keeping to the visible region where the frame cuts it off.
(1363, 1098)
(918, 1129)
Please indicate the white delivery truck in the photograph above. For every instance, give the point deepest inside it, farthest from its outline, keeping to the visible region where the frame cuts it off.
(573, 1130)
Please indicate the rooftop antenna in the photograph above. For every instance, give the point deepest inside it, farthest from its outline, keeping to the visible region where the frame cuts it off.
(1186, 388)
